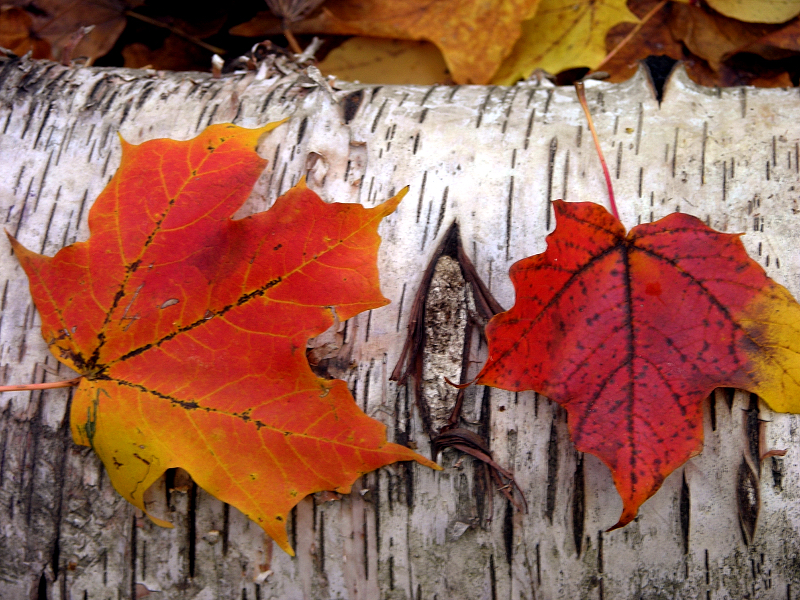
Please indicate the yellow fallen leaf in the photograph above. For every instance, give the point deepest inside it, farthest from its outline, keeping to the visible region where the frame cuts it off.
(474, 37)
(763, 11)
(564, 34)
(396, 62)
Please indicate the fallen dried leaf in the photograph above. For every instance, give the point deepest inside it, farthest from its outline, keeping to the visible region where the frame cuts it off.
(474, 37)
(17, 33)
(711, 36)
(653, 39)
(741, 69)
(779, 44)
(757, 11)
(57, 21)
(175, 54)
(394, 62)
(564, 34)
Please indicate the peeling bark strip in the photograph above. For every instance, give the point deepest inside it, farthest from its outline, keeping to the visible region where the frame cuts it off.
(450, 303)
(411, 534)
(451, 306)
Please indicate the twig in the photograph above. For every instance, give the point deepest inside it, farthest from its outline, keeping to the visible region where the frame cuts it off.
(41, 386)
(582, 99)
(633, 32)
(176, 30)
(292, 41)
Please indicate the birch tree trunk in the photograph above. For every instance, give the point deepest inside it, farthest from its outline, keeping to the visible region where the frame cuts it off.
(490, 159)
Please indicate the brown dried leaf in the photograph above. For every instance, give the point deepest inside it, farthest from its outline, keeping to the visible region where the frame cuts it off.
(778, 44)
(711, 36)
(16, 33)
(653, 39)
(59, 21)
(175, 54)
(736, 73)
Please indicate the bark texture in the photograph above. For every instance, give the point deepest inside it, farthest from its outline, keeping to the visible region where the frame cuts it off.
(727, 525)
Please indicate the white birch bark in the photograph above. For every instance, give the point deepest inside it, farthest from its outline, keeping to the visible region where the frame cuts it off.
(492, 159)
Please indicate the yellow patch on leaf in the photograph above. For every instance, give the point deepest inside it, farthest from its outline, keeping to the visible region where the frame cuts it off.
(772, 322)
(564, 34)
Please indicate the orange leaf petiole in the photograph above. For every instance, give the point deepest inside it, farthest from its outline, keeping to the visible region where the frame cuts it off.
(460, 386)
(41, 386)
(582, 99)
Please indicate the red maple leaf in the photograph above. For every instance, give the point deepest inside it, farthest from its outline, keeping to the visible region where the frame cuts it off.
(632, 332)
(190, 328)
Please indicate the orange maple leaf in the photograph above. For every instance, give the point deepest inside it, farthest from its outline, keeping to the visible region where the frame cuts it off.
(190, 328)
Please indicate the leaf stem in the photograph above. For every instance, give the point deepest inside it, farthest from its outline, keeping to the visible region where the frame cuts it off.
(579, 88)
(41, 386)
(633, 32)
